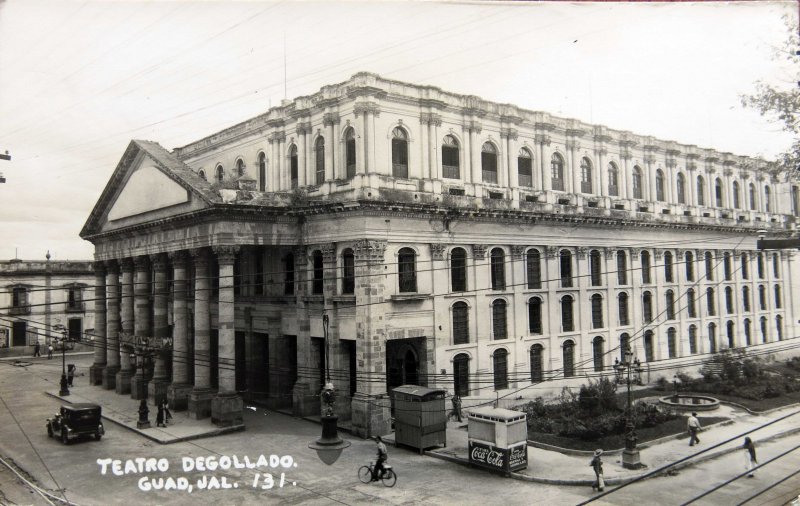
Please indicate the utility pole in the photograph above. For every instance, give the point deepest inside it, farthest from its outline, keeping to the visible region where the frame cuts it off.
(4, 156)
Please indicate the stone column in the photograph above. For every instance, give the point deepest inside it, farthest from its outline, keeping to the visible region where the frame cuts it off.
(157, 387)
(302, 131)
(364, 160)
(574, 181)
(424, 146)
(202, 393)
(602, 173)
(475, 154)
(305, 400)
(691, 185)
(650, 174)
(141, 323)
(112, 326)
(371, 139)
(511, 152)
(627, 173)
(370, 405)
(545, 172)
(125, 373)
(227, 405)
(327, 121)
(178, 390)
(100, 343)
(283, 170)
(277, 378)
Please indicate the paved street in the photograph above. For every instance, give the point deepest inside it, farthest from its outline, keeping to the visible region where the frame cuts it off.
(422, 479)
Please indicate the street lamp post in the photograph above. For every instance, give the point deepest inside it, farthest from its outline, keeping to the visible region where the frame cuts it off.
(630, 455)
(328, 447)
(64, 386)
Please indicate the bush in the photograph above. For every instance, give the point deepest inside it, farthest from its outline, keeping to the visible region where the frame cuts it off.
(793, 363)
(751, 369)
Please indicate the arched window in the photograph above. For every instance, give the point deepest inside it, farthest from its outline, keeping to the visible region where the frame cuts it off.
(567, 323)
(622, 268)
(718, 192)
(736, 202)
(318, 284)
(647, 307)
(288, 274)
(622, 304)
(727, 266)
(709, 266)
(202, 174)
(350, 153)
(701, 191)
(729, 327)
(668, 277)
(537, 363)
(660, 186)
(776, 266)
(681, 188)
(624, 344)
(458, 270)
(762, 298)
(294, 167)
(399, 153)
(566, 268)
(760, 265)
(649, 346)
(498, 266)
(613, 179)
(764, 333)
(586, 175)
(220, 174)
(500, 360)
(712, 337)
(745, 267)
(557, 172)
(595, 269)
(671, 342)
(535, 315)
(489, 162)
(692, 339)
(461, 374)
(262, 172)
(348, 272)
(767, 201)
(240, 167)
(525, 167)
(568, 352)
(533, 267)
(407, 270)
(779, 327)
(711, 305)
(451, 163)
(597, 311)
(778, 301)
(645, 259)
(637, 182)
(669, 297)
(689, 266)
(728, 300)
(752, 197)
(691, 308)
(746, 298)
(319, 150)
(499, 319)
(460, 323)
(747, 332)
(597, 353)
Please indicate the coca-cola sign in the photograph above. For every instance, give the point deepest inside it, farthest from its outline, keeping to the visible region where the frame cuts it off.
(518, 457)
(488, 456)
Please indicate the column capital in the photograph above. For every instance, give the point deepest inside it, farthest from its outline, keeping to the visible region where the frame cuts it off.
(542, 139)
(510, 133)
(200, 257)
(112, 266)
(159, 261)
(141, 262)
(479, 251)
(366, 108)
(473, 126)
(552, 251)
(610, 253)
(582, 251)
(328, 252)
(430, 118)
(178, 258)
(300, 256)
(517, 251)
(369, 249)
(302, 128)
(330, 118)
(437, 251)
(635, 253)
(126, 264)
(573, 145)
(658, 254)
(226, 254)
(99, 268)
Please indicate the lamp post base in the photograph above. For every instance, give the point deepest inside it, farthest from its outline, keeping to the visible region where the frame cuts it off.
(64, 391)
(631, 459)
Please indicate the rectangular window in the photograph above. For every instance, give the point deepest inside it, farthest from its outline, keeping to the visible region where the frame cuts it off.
(525, 168)
(348, 275)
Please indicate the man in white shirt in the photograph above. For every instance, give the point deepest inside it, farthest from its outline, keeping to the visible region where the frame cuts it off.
(693, 425)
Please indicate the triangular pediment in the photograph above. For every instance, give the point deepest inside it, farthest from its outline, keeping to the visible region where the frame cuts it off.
(147, 189)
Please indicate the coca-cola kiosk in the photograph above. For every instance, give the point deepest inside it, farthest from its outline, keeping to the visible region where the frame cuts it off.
(498, 439)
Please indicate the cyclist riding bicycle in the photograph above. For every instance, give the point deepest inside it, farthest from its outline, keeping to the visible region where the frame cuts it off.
(382, 456)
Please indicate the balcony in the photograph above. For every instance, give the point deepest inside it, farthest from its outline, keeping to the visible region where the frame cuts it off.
(558, 184)
(451, 172)
(74, 307)
(586, 187)
(18, 310)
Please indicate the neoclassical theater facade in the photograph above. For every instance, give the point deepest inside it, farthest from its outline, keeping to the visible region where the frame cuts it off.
(449, 241)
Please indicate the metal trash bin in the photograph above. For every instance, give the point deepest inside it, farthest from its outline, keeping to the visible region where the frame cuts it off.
(420, 419)
(498, 439)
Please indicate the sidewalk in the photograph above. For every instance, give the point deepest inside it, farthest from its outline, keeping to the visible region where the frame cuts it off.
(557, 468)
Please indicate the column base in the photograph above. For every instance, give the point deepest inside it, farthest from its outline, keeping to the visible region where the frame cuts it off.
(200, 403)
(371, 416)
(157, 390)
(304, 401)
(138, 387)
(226, 410)
(178, 396)
(124, 381)
(630, 459)
(110, 377)
(96, 374)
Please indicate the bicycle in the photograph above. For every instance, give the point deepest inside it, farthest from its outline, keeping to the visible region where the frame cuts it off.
(366, 474)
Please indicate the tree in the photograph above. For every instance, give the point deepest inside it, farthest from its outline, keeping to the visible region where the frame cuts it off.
(782, 104)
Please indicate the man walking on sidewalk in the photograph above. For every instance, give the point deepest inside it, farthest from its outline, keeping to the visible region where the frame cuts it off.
(693, 424)
(37, 349)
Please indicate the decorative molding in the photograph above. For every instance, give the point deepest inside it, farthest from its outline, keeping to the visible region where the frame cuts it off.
(542, 139)
(177, 258)
(142, 262)
(366, 108)
(574, 132)
(552, 251)
(277, 137)
(300, 257)
(582, 251)
(479, 251)
(159, 261)
(126, 264)
(517, 251)
(635, 253)
(369, 249)
(330, 118)
(430, 118)
(200, 257)
(437, 251)
(573, 145)
(473, 126)
(328, 252)
(510, 133)
(226, 254)
(609, 253)
(658, 254)
(625, 154)
(649, 159)
(671, 163)
(602, 151)
(111, 267)
(303, 128)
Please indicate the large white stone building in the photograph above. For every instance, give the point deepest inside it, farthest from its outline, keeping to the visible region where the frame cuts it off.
(451, 241)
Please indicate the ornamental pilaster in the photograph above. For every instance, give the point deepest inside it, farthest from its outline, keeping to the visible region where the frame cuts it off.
(330, 118)
(552, 251)
(658, 254)
(328, 252)
(635, 253)
(226, 254)
(302, 128)
(366, 108)
(299, 253)
(609, 252)
(479, 251)
(509, 133)
(517, 252)
(369, 249)
(582, 252)
(437, 251)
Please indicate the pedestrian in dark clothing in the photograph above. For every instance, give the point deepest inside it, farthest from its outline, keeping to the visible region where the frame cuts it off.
(597, 465)
(160, 416)
(749, 456)
(70, 373)
(167, 414)
(50, 352)
(457, 407)
(693, 425)
(37, 350)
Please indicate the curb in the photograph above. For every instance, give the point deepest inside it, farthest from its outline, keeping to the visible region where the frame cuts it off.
(216, 432)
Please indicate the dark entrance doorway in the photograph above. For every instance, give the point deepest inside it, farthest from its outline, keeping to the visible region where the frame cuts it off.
(318, 359)
(20, 332)
(214, 358)
(350, 349)
(75, 326)
(405, 364)
(240, 361)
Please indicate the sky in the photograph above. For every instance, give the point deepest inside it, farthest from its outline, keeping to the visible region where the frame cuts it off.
(80, 79)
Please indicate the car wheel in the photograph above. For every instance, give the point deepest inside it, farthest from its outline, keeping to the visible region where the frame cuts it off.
(64, 438)
(49, 431)
(97, 436)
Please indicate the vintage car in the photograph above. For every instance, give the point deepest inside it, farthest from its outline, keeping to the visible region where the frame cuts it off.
(74, 421)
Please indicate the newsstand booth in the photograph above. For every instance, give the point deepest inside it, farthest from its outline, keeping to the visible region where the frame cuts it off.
(498, 439)
(420, 418)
